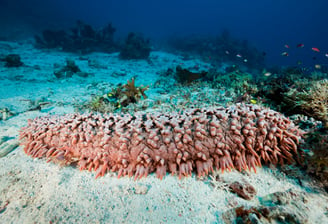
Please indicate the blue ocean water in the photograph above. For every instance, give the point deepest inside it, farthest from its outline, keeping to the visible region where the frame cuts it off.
(268, 25)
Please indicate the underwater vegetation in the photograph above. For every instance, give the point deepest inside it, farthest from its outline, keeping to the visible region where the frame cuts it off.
(290, 90)
(135, 47)
(82, 38)
(117, 98)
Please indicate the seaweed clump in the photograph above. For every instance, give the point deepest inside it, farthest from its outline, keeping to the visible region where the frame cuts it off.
(118, 98)
(135, 47)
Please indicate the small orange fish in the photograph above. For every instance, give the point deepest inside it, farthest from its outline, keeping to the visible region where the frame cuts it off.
(239, 56)
(284, 54)
(315, 49)
(300, 45)
(286, 46)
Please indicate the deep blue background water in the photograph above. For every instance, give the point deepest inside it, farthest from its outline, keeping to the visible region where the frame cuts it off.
(267, 24)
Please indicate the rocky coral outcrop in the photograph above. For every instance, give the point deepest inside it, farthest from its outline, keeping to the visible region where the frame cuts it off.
(135, 47)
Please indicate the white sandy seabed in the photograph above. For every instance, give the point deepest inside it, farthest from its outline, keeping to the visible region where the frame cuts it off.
(33, 191)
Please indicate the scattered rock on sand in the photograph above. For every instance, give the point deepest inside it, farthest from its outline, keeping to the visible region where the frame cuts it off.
(243, 189)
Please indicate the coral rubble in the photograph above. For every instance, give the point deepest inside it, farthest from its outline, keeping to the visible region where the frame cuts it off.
(239, 136)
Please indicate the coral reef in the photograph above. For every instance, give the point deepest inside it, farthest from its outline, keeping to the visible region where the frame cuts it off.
(82, 38)
(135, 47)
(276, 84)
(311, 101)
(239, 136)
(131, 93)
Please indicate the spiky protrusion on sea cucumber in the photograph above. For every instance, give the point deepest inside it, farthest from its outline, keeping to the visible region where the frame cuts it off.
(239, 136)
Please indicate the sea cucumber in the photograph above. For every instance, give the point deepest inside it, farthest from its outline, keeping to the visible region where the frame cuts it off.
(238, 136)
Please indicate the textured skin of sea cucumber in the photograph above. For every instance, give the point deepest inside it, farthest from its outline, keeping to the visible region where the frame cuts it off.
(239, 136)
